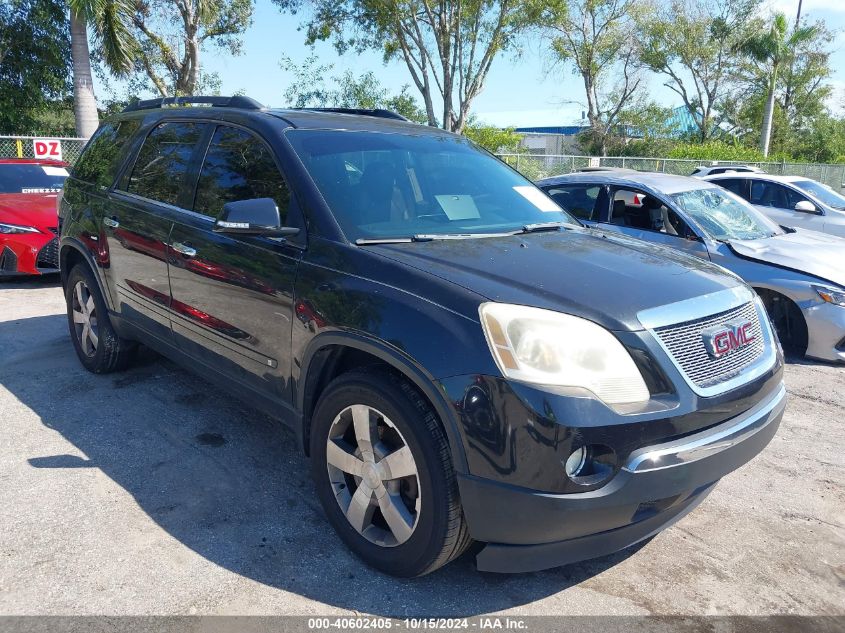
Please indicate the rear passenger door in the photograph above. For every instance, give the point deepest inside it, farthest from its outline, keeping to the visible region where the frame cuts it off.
(637, 213)
(232, 296)
(778, 203)
(138, 221)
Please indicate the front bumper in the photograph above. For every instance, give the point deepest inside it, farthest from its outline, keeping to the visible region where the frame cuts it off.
(28, 254)
(527, 530)
(826, 331)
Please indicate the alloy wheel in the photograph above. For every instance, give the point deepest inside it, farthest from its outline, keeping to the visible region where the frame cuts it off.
(85, 318)
(373, 475)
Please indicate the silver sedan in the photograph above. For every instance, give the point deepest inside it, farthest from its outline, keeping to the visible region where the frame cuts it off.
(799, 274)
(790, 200)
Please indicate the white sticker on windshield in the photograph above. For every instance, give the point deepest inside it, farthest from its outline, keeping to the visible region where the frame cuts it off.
(458, 207)
(55, 171)
(537, 198)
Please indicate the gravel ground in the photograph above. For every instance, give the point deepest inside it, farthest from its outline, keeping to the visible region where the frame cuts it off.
(148, 492)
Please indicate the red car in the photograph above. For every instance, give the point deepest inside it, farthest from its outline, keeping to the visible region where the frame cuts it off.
(28, 220)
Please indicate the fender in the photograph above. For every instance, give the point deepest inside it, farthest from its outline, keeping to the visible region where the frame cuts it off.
(403, 363)
(71, 243)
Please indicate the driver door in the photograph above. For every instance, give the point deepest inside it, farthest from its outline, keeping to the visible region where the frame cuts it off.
(636, 213)
(232, 296)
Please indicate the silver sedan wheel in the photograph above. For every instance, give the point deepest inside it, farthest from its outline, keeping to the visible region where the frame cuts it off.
(85, 318)
(373, 475)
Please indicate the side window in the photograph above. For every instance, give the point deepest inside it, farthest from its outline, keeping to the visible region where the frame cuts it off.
(638, 210)
(579, 200)
(770, 194)
(159, 171)
(734, 185)
(101, 158)
(238, 166)
(793, 198)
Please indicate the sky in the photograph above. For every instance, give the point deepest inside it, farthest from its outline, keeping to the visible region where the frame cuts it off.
(520, 91)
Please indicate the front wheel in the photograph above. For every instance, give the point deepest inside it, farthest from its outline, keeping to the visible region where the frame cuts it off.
(384, 475)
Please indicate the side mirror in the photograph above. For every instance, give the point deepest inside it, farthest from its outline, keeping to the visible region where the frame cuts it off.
(805, 206)
(258, 216)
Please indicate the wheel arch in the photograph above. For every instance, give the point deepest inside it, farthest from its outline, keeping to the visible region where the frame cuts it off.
(769, 296)
(330, 354)
(73, 252)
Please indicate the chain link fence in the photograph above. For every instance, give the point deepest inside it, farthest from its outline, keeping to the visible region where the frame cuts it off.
(25, 147)
(536, 166)
(533, 166)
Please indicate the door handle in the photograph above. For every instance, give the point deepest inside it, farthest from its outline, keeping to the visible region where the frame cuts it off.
(183, 249)
(112, 222)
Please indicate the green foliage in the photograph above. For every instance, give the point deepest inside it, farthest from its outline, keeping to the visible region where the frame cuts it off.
(34, 64)
(314, 86)
(492, 138)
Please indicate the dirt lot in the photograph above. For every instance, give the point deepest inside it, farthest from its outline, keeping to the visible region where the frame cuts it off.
(146, 492)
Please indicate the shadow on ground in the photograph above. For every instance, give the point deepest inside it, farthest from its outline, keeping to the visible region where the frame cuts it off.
(230, 483)
(30, 282)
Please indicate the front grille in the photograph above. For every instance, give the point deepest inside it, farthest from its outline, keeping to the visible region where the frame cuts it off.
(48, 256)
(54, 230)
(8, 260)
(685, 343)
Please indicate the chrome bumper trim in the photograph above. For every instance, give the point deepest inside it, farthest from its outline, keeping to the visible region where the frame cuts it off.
(707, 443)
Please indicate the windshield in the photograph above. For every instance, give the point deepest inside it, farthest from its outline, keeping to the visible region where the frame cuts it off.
(724, 216)
(384, 185)
(29, 178)
(822, 192)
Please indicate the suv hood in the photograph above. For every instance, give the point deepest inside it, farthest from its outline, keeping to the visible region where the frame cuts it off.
(29, 209)
(810, 252)
(593, 274)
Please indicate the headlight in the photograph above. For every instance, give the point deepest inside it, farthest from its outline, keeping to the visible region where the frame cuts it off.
(831, 295)
(14, 228)
(549, 348)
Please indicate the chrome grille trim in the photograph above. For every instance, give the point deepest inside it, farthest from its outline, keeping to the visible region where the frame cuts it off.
(685, 345)
(699, 311)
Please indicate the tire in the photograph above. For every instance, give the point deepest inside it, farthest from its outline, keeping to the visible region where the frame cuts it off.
(432, 531)
(99, 348)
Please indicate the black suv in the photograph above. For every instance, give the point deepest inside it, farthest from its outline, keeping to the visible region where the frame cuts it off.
(460, 358)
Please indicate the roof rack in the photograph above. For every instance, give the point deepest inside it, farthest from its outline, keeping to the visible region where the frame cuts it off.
(238, 101)
(377, 112)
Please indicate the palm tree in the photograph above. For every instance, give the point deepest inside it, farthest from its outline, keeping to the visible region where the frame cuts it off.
(111, 20)
(774, 48)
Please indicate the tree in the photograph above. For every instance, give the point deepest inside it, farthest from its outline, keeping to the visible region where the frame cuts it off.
(34, 62)
(774, 48)
(170, 35)
(313, 86)
(800, 98)
(109, 19)
(448, 46)
(594, 36)
(693, 43)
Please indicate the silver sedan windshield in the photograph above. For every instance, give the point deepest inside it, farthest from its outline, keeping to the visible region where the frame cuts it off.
(725, 217)
(822, 192)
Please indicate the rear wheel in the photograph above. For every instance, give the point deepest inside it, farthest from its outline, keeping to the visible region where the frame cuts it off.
(384, 475)
(99, 348)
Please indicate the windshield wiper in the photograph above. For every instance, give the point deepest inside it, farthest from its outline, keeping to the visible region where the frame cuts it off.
(545, 226)
(363, 241)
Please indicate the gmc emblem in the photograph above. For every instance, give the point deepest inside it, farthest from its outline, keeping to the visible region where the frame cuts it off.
(724, 339)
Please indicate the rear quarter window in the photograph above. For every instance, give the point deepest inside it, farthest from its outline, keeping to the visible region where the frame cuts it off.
(100, 160)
